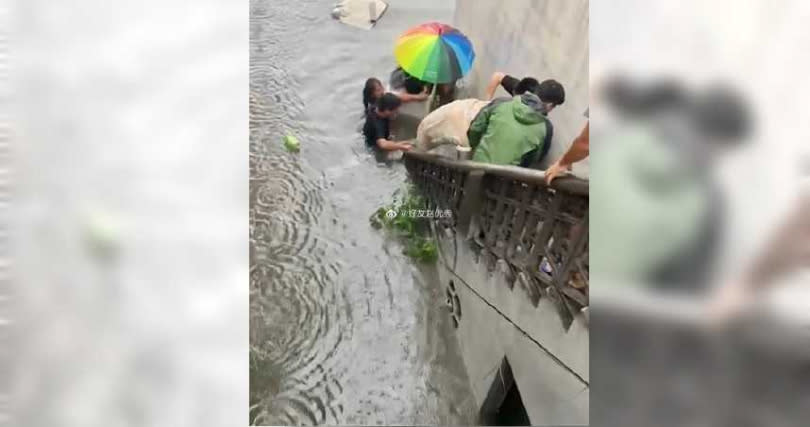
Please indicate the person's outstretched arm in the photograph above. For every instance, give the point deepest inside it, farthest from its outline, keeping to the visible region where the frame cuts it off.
(497, 78)
(785, 252)
(387, 145)
(579, 150)
(408, 97)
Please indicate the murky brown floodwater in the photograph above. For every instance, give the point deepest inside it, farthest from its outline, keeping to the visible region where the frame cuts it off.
(344, 329)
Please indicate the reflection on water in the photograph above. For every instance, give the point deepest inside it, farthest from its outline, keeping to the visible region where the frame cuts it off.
(343, 328)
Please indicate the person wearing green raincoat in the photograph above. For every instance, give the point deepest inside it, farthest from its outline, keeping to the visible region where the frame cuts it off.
(656, 210)
(516, 132)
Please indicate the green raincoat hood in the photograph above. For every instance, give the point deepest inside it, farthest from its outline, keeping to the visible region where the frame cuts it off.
(528, 109)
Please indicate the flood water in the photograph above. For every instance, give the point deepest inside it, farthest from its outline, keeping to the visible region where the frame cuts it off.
(343, 328)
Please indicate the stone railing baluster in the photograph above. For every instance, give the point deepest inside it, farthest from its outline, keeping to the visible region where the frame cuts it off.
(536, 233)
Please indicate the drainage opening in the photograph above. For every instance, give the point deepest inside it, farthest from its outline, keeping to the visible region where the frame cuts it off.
(504, 405)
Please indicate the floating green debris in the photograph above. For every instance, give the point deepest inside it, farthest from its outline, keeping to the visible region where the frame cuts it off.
(291, 144)
(102, 233)
(399, 217)
(422, 249)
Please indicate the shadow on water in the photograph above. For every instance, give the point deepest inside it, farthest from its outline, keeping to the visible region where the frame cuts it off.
(343, 328)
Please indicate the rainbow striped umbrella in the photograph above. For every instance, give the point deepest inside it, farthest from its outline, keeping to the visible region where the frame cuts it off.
(434, 53)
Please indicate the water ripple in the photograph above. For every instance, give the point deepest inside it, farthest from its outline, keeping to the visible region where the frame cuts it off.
(329, 343)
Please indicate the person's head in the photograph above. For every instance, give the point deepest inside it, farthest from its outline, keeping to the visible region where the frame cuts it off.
(664, 96)
(414, 86)
(372, 91)
(637, 101)
(388, 105)
(527, 84)
(551, 92)
(722, 116)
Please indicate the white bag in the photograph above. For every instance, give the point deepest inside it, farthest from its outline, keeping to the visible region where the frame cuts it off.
(448, 124)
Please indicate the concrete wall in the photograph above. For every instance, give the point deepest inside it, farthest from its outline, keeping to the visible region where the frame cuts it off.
(542, 39)
(494, 321)
(537, 38)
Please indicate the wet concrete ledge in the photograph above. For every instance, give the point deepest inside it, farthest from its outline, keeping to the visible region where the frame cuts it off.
(495, 320)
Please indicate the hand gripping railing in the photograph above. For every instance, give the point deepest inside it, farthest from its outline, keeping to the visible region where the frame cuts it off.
(510, 214)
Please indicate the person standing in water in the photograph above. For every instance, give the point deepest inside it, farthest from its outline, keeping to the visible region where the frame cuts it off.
(374, 90)
(378, 122)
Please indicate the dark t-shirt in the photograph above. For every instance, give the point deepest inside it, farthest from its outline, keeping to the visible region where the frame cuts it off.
(376, 127)
(509, 83)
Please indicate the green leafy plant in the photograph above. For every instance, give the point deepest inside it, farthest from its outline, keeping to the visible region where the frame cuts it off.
(399, 218)
(422, 249)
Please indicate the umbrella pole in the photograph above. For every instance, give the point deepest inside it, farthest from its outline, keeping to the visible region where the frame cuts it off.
(430, 99)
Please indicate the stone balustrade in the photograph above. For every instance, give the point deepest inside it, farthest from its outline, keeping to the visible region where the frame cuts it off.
(537, 234)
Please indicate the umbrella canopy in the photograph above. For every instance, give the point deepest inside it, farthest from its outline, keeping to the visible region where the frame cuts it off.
(435, 53)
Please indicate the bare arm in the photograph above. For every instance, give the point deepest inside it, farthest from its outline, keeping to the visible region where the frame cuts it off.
(497, 78)
(579, 150)
(387, 145)
(786, 251)
(407, 97)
